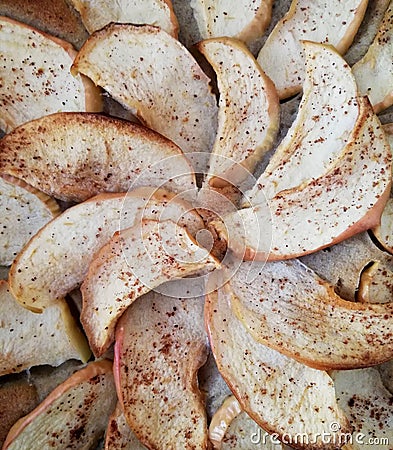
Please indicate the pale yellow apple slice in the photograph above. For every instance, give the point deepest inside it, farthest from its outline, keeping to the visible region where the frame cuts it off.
(36, 78)
(24, 211)
(113, 156)
(96, 14)
(156, 77)
(249, 111)
(245, 20)
(160, 345)
(282, 56)
(280, 394)
(28, 339)
(56, 260)
(374, 72)
(74, 415)
(376, 283)
(287, 307)
(222, 420)
(135, 261)
(368, 405)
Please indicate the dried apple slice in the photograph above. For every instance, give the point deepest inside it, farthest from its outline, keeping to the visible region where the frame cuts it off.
(28, 339)
(249, 111)
(25, 211)
(374, 72)
(113, 156)
(36, 78)
(287, 307)
(334, 23)
(96, 14)
(158, 78)
(160, 345)
(135, 261)
(74, 415)
(280, 394)
(56, 260)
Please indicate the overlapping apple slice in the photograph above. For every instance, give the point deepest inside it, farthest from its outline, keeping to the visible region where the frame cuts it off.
(329, 178)
(25, 211)
(374, 72)
(158, 79)
(135, 261)
(280, 394)
(113, 156)
(160, 345)
(282, 56)
(74, 415)
(56, 259)
(36, 78)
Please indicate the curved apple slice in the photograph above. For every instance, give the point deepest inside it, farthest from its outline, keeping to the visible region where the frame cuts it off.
(74, 415)
(36, 79)
(222, 419)
(376, 283)
(95, 15)
(249, 110)
(113, 156)
(135, 261)
(374, 72)
(158, 78)
(28, 339)
(160, 345)
(333, 23)
(25, 211)
(56, 260)
(280, 394)
(287, 307)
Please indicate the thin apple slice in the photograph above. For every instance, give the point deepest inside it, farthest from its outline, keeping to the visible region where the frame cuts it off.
(334, 23)
(249, 110)
(376, 283)
(28, 339)
(374, 72)
(25, 211)
(36, 78)
(113, 156)
(244, 20)
(160, 345)
(135, 261)
(56, 260)
(96, 14)
(368, 405)
(74, 415)
(158, 78)
(287, 307)
(282, 395)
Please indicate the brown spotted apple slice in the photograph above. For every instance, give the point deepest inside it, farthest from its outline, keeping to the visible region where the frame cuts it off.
(74, 415)
(287, 307)
(280, 394)
(135, 261)
(56, 260)
(160, 345)
(156, 77)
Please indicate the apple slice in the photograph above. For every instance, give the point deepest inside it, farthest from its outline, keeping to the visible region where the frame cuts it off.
(287, 307)
(374, 72)
(160, 345)
(74, 415)
(114, 155)
(96, 14)
(25, 211)
(156, 77)
(135, 261)
(249, 111)
(245, 20)
(28, 339)
(282, 395)
(56, 260)
(334, 23)
(36, 78)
